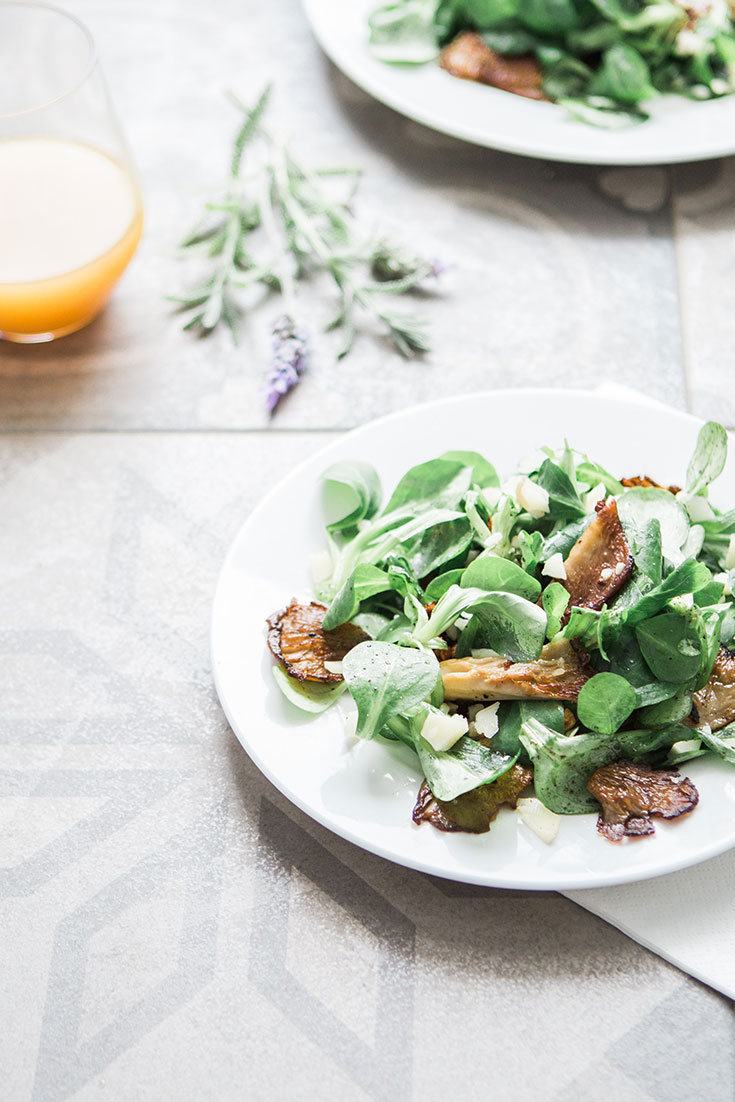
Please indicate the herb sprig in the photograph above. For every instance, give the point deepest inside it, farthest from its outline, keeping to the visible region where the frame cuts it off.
(279, 224)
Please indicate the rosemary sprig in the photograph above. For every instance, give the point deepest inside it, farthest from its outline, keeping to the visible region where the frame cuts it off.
(278, 224)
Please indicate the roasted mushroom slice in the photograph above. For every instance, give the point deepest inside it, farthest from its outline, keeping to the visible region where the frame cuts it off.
(630, 794)
(648, 483)
(472, 812)
(298, 640)
(557, 674)
(470, 58)
(714, 704)
(600, 562)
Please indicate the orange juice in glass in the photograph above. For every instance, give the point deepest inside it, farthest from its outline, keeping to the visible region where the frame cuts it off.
(70, 209)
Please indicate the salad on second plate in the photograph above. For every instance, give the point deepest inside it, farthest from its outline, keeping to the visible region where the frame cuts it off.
(604, 60)
(565, 630)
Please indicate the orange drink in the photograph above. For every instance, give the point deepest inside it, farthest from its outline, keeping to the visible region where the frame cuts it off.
(70, 209)
(70, 220)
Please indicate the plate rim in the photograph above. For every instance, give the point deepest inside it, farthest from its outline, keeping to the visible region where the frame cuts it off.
(413, 110)
(563, 883)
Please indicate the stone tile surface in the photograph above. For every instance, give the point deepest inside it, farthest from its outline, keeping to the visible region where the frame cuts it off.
(172, 926)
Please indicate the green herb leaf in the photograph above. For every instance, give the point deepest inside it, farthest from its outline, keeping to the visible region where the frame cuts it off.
(554, 599)
(352, 493)
(671, 646)
(562, 765)
(386, 680)
(307, 696)
(490, 572)
(708, 461)
(605, 702)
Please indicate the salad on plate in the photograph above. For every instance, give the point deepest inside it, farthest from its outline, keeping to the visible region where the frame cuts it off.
(603, 60)
(561, 642)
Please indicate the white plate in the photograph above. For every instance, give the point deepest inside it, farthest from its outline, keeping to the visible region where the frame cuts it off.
(679, 129)
(365, 791)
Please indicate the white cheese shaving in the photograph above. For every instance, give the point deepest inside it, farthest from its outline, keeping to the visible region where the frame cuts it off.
(532, 497)
(606, 574)
(597, 493)
(697, 507)
(684, 746)
(554, 566)
(333, 667)
(688, 43)
(442, 731)
(486, 720)
(543, 823)
(320, 567)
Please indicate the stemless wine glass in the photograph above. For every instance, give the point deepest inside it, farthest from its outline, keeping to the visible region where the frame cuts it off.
(70, 208)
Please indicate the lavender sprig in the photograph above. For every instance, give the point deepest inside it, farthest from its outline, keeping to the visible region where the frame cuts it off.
(289, 361)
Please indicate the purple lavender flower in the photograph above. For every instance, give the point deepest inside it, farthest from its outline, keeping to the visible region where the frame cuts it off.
(290, 359)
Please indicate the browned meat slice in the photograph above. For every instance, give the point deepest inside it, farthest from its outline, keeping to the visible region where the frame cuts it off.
(296, 638)
(630, 794)
(558, 674)
(470, 58)
(472, 812)
(600, 562)
(715, 703)
(644, 480)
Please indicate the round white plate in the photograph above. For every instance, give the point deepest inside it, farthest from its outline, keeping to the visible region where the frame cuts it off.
(679, 129)
(365, 791)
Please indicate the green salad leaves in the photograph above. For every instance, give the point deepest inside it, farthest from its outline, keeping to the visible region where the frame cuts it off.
(603, 60)
(457, 565)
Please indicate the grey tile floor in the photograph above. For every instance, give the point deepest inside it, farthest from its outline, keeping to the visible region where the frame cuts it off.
(172, 928)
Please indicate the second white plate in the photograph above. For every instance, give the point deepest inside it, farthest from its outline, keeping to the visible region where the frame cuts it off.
(679, 129)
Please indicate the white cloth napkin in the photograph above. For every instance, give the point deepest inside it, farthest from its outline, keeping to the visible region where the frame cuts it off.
(688, 918)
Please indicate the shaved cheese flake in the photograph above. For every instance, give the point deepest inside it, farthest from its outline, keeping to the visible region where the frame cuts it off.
(697, 507)
(320, 567)
(543, 823)
(441, 732)
(486, 720)
(532, 497)
(554, 567)
(597, 493)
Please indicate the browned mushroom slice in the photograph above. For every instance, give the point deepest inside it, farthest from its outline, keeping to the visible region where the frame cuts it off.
(715, 703)
(648, 483)
(630, 794)
(472, 812)
(298, 640)
(470, 58)
(600, 562)
(557, 674)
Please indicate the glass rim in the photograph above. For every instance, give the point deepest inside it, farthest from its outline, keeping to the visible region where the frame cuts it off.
(88, 69)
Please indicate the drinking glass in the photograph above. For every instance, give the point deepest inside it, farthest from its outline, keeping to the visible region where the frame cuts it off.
(70, 208)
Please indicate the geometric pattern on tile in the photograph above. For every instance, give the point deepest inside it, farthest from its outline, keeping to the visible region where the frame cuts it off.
(125, 792)
(65, 1062)
(693, 1020)
(138, 508)
(382, 1070)
(133, 718)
